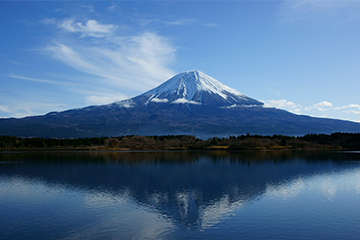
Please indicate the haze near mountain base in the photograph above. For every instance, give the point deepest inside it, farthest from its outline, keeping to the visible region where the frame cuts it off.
(190, 103)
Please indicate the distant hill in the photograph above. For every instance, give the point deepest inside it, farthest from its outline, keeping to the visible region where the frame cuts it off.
(190, 103)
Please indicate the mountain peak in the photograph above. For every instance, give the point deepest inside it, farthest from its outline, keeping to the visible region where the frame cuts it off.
(188, 103)
(195, 87)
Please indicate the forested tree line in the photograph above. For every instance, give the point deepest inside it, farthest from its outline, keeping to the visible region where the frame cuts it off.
(17, 142)
(167, 142)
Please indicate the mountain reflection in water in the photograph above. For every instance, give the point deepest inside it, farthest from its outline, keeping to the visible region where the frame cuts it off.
(154, 194)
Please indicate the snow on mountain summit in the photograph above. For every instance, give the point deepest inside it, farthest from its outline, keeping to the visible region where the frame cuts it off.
(186, 85)
(195, 87)
(191, 88)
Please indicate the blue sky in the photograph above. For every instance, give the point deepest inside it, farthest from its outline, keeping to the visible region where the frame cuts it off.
(302, 56)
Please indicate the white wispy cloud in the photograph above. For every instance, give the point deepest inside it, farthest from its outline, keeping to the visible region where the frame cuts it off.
(112, 8)
(181, 22)
(348, 106)
(283, 104)
(211, 25)
(312, 5)
(145, 22)
(136, 62)
(48, 21)
(111, 64)
(89, 29)
(19, 109)
(297, 10)
(166, 21)
(322, 106)
(354, 111)
(185, 101)
(350, 109)
(40, 80)
(89, 8)
(4, 109)
(317, 110)
(158, 100)
(103, 99)
(116, 61)
(15, 62)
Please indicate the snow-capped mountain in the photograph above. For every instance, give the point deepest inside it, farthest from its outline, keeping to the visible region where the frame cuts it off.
(196, 88)
(189, 103)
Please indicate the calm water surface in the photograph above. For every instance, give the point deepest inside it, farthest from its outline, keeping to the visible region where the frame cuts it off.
(180, 195)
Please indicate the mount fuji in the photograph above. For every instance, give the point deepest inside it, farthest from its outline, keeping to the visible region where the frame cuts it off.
(196, 88)
(189, 103)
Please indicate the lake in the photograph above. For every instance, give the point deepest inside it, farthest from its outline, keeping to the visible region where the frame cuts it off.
(180, 195)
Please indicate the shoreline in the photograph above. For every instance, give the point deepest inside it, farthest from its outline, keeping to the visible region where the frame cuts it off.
(54, 150)
(336, 141)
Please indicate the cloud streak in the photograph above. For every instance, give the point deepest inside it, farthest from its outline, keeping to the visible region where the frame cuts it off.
(350, 109)
(90, 29)
(322, 106)
(180, 22)
(104, 99)
(318, 5)
(41, 80)
(111, 65)
(296, 108)
(283, 104)
(300, 10)
(315, 109)
(348, 106)
(112, 8)
(30, 108)
(5, 109)
(135, 62)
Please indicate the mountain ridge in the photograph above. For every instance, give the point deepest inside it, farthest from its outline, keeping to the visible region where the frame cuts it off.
(189, 103)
